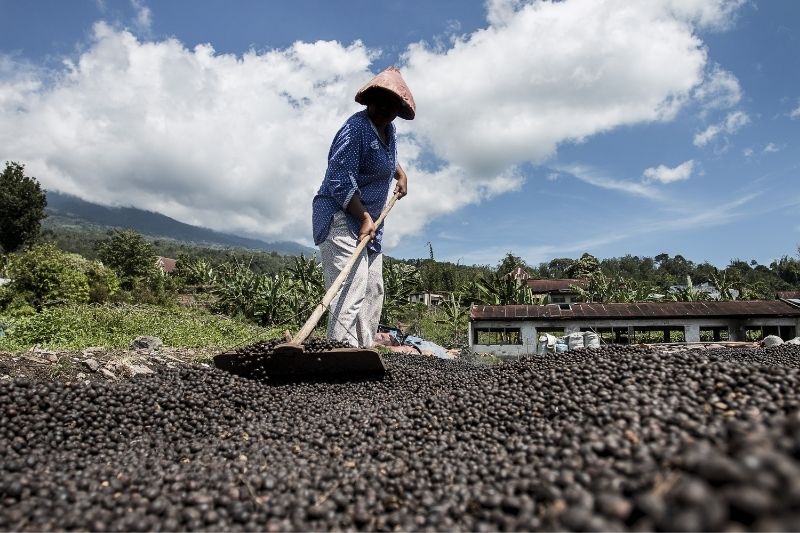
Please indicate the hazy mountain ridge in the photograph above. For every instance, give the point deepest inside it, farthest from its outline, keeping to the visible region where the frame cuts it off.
(67, 210)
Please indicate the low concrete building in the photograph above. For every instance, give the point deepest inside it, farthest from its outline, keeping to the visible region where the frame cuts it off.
(515, 329)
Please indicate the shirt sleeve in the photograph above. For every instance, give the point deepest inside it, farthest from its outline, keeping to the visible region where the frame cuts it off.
(343, 163)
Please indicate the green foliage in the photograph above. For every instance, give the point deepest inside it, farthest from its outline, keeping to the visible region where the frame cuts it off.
(22, 203)
(400, 280)
(616, 288)
(197, 273)
(583, 267)
(131, 257)
(503, 290)
(114, 326)
(511, 262)
(44, 276)
(688, 293)
(455, 317)
(103, 282)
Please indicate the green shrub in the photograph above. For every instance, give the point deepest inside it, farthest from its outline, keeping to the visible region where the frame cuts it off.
(46, 276)
(114, 326)
(103, 282)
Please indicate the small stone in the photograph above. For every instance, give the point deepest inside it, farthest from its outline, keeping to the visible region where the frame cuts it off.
(107, 373)
(136, 370)
(146, 342)
(92, 364)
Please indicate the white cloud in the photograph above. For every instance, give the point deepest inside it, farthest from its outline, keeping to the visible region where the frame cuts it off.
(748, 152)
(144, 17)
(795, 113)
(665, 174)
(548, 73)
(772, 148)
(730, 125)
(552, 176)
(595, 177)
(720, 90)
(238, 143)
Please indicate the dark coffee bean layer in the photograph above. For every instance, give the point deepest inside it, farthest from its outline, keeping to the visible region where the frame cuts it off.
(617, 438)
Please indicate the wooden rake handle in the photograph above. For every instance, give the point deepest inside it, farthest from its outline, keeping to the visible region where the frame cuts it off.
(313, 320)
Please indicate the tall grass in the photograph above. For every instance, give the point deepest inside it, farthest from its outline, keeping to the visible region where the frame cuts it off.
(76, 327)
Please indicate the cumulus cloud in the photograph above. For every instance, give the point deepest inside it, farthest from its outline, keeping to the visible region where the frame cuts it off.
(664, 174)
(795, 113)
(238, 143)
(547, 73)
(733, 122)
(771, 148)
(719, 90)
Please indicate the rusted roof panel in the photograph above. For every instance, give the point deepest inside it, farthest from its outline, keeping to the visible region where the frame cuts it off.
(539, 286)
(789, 295)
(636, 310)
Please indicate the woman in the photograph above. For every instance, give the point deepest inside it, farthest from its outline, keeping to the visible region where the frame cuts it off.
(362, 163)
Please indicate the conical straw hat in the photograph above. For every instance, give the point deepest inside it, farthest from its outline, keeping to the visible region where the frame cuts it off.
(391, 80)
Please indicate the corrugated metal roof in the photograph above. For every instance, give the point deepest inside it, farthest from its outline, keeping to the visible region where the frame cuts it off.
(789, 295)
(539, 286)
(740, 308)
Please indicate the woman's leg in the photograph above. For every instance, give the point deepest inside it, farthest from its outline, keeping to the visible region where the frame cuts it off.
(347, 305)
(373, 303)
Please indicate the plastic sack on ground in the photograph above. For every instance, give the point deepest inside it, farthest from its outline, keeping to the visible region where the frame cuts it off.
(771, 340)
(591, 340)
(561, 345)
(575, 340)
(547, 343)
(796, 340)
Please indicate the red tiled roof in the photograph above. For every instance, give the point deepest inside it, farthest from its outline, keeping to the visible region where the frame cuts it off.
(167, 264)
(740, 308)
(539, 286)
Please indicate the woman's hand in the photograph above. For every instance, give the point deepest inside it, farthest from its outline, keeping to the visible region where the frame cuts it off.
(368, 227)
(402, 182)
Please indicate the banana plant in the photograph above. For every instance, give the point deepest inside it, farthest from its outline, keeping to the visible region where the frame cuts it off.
(454, 316)
(399, 282)
(689, 293)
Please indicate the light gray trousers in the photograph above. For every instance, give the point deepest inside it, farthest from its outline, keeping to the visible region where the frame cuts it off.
(355, 311)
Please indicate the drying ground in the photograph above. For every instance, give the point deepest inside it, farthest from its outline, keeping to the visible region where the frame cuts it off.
(609, 439)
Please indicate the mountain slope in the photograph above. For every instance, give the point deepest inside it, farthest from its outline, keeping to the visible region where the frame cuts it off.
(67, 210)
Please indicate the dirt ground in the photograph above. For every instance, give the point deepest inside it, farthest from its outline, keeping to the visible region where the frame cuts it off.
(97, 364)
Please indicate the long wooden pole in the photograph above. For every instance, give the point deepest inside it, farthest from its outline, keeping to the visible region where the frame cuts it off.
(313, 320)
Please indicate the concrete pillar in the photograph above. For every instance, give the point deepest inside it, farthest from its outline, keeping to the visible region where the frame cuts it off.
(666, 335)
(529, 338)
(736, 331)
(631, 335)
(471, 334)
(691, 332)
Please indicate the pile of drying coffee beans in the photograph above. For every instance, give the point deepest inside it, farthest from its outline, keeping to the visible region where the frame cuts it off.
(619, 438)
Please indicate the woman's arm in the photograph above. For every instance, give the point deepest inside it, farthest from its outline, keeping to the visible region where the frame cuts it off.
(357, 209)
(402, 181)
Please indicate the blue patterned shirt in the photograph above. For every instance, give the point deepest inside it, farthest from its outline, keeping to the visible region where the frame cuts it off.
(358, 162)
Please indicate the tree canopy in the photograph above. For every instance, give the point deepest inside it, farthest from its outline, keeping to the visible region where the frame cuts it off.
(22, 203)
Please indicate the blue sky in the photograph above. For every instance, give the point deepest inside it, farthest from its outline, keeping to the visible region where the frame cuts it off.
(543, 129)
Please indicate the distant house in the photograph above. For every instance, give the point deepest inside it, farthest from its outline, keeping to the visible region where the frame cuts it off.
(166, 264)
(558, 291)
(428, 298)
